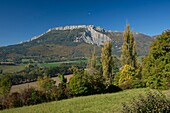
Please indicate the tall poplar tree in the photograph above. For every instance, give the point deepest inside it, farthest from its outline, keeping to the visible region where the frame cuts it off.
(129, 48)
(91, 66)
(93, 60)
(106, 59)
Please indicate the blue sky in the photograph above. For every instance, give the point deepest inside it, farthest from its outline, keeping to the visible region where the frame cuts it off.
(21, 20)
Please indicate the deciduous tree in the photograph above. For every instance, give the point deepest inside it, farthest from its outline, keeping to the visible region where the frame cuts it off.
(128, 48)
(106, 59)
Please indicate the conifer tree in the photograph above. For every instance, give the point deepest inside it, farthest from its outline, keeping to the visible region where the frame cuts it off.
(106, 59)
(128, 48)
(156, 66)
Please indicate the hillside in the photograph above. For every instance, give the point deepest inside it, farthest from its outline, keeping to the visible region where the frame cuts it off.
(104, 103)
(70, 42)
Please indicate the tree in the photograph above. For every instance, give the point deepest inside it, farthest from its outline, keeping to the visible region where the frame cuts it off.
(128, 48)
(106, 59)
(62, 79)
(1, 71)
(156, 66)
(91, 66)
(129, 77)
(78, 85)
(46, 84)
(5, 86)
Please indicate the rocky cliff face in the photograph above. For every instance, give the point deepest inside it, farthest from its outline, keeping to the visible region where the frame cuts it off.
(91, 35)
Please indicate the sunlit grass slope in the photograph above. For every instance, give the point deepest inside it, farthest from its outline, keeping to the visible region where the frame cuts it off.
(103, 103)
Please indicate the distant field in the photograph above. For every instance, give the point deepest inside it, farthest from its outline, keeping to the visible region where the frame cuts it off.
(20, 87)
(10, 69)
(103, 103)
(54, 64)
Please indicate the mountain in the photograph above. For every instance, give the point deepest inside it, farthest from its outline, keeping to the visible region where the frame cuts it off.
(70, 42)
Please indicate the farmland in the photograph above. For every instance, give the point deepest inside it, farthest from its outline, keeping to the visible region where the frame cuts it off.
(20, 67)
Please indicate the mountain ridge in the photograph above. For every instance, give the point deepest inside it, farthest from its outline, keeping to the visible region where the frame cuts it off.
(74, 41)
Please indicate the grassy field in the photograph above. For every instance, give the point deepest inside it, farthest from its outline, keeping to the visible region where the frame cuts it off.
(11, 69)
(104, 103)
(54, 64)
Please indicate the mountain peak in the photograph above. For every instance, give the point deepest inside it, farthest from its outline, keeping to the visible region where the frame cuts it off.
(90, 35)
(71, 27)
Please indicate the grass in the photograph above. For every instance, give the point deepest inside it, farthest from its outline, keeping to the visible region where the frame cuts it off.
(11, 69)
(17, 68)
(103, 103)
(54, 64)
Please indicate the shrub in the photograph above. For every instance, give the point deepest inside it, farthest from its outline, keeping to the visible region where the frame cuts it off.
(112, 88)
(78, 86)
(137, 84)
(14, 100)
(32, 96)
(153, 103)
(62, 92)
(5, 86)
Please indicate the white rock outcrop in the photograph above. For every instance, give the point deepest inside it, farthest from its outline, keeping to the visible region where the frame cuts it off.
(91, 35)
(94, 37)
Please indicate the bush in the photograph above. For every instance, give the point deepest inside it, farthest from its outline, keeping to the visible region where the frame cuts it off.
(62, 92)
(78, 86)
(32, 96)
(112, 88)
(5, 86)
(125, 86)
(137, 84)
(14, 100)
(153, 103)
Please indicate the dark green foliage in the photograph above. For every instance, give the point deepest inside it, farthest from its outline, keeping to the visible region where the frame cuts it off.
(112, 88)
(95, 83)
(156, 66)
(84, 84)
(63, 92)
(32, 96)
(46, 84)
(138, 84)
(14, 100)
(78, 85)
(153, 103)
(62, 79)
(5, 86)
